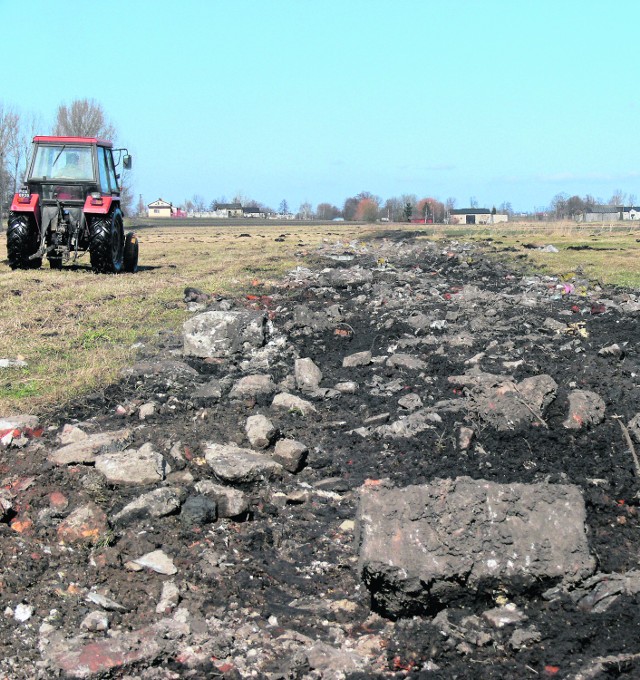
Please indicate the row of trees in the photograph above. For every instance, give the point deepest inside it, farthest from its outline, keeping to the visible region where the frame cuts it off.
(81, 118)
(563, 206)
(363, 207)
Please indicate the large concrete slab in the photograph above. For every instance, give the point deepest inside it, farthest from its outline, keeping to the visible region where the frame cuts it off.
(421, 547)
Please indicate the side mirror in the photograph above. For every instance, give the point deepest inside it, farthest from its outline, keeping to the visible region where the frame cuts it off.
(126, 162)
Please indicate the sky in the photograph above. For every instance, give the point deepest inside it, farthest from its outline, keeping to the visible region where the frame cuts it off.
(318, 100)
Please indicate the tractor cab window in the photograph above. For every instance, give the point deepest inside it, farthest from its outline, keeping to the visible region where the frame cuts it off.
(104, 170)
(113, 178)
(63, 161)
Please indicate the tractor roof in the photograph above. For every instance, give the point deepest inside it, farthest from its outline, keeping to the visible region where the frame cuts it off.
(72, 140)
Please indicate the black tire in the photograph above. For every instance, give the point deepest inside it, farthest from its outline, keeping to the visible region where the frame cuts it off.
(55, 262)
(22, 241)
(106, 247)
(130, 260)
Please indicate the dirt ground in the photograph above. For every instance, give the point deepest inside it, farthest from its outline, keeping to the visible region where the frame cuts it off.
(262, 593)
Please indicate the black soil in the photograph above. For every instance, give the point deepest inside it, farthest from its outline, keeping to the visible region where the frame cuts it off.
(287, 558)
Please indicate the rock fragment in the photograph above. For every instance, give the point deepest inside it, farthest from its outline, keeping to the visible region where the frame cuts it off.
(237, 465)
(586, 409)
(260, 431)
(156, 503)
(290, 454)
(290, 402)
(357, 359)
(132, 467)
(231, 502)
(307, 375)
(157, 561)
(217, 334)
(85, 449)
(457, 538)
(252, 386)
(86, 524)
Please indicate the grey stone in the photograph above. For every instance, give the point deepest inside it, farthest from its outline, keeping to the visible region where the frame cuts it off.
(410, 425)
(598, 593)
(406, 361)
(210, 390)
(86, 449)
(133, 466)
(146, 410)
(13, 363)
(586, 408)
(343, 278)
(307, 374)
(357, 359)
(104, 601)
(521, 637)
(252, 386)
(347, 387)
(169, 599)
(217, 334)
(290, 454)
(157, 561)
(156, 503)
(505, 404)
(612, 351)
(332, 662)
(507, 615)
(198, 510)
(426, 545)
(164, 367)
(287, 401)
(410, 401)
(231, 502)
(238, 465)
(260, 431)
(95, 622)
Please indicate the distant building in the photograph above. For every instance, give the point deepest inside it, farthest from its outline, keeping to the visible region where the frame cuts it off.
(159, 208)
(610, 213)
(475, 216)
(253, 212)
(228, 210)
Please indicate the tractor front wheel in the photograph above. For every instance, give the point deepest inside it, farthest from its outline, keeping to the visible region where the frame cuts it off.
(107, 243)
(22, 241)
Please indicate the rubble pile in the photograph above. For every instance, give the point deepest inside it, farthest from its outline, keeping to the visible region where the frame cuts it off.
(408, 458)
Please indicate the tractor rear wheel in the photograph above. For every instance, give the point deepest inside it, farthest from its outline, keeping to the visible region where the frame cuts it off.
(130, 262)
(22, 241)
(106, 245)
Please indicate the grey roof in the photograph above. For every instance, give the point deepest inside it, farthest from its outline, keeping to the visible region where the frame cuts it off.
(228, 206)
(470, 211)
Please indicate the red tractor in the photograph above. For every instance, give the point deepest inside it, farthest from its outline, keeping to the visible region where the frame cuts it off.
(70, 204)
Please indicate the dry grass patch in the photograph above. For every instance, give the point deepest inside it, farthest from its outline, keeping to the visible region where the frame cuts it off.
(75, 329)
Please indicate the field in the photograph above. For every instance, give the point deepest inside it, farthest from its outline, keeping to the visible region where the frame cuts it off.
(76, 330)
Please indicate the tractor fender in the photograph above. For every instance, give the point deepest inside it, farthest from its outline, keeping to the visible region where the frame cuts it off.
(99, 206)
(19, 205)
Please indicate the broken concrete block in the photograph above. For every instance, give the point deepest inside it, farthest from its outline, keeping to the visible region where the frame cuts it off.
(216, 334)
(423, 546)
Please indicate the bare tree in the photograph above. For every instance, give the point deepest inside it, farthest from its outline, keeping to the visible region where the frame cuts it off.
(618, 198)
(9, 131)
(199, 204)
(305, 211)
(83, 118)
